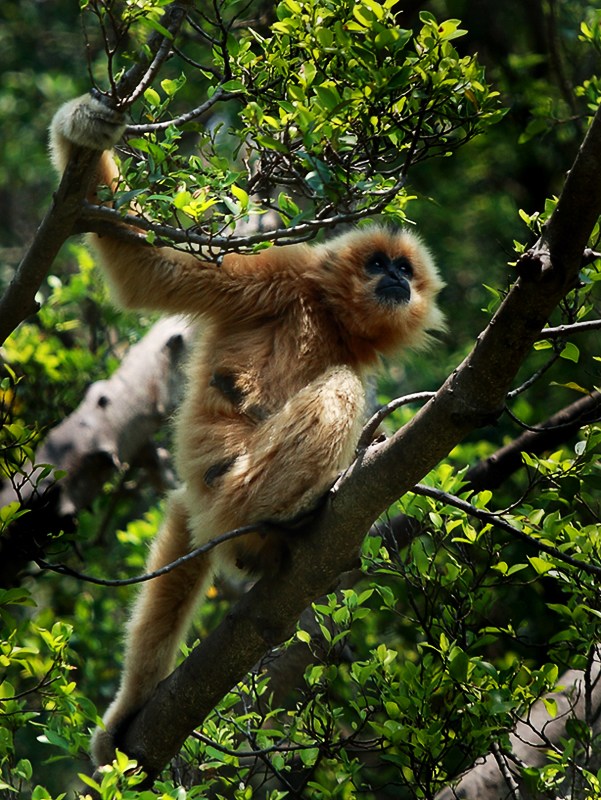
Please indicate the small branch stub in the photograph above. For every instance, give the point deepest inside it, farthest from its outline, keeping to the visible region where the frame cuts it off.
(535, 264)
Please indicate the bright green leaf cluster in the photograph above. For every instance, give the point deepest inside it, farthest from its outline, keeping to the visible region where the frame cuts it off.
(336, 104)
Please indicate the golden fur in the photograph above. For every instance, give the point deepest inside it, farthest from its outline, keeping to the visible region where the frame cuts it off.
(275, 397)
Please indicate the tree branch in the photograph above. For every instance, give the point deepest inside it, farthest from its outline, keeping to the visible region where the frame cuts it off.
(18, 302)
(497, 521)
(491, 472)
(105, 220)
(64, 569)
(152, 56)
(219, 95)
(532, 739)
(570, 330)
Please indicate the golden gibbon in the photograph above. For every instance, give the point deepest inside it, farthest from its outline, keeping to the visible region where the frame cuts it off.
(275, 390)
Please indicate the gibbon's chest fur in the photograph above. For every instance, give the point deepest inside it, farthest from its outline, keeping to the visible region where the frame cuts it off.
(251, 364)
(244, 369)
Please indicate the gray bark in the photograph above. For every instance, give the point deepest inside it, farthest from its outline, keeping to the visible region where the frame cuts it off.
(111, 427)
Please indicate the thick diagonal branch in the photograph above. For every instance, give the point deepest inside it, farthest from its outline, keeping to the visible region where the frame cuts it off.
(471, 397)
(18, 301)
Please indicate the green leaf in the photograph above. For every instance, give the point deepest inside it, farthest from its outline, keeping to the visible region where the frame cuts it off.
(182, 199)
(40, 793)
(309, 756)
(153, 23)
(152, 97)
(575, 387)
(24, 769)
(570, 352)
(89, 782)
(240, 195)
(540, 565)
(170, 87)
(234, 86)
(363, 15)
(551, 705)
(458, 665)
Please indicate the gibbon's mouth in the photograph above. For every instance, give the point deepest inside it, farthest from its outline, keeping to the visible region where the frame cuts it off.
(392, 291)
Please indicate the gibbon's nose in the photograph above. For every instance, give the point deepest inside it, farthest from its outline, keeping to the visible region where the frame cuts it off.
(394, 288)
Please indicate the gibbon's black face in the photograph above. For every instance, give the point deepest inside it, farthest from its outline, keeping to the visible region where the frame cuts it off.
(394, 284)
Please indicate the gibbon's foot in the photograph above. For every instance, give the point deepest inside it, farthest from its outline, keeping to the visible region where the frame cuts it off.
(107, 739)
(102, 747)
(89, 122)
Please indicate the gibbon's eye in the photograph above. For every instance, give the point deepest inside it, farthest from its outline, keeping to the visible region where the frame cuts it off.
(394, 287)
(377, 264)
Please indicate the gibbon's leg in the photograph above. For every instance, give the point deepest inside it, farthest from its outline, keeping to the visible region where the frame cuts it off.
(158, 622)
(291, 459)
(294, 456)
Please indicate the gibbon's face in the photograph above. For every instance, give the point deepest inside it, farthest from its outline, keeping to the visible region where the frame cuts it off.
(381, 285)
(394, 276)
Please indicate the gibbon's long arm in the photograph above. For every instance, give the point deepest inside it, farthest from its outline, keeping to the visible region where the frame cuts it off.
(145, 277)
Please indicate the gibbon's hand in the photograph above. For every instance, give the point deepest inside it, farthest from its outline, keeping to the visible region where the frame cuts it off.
(89, 122)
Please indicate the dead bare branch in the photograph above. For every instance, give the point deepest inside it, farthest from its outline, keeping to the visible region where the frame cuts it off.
(114, 421)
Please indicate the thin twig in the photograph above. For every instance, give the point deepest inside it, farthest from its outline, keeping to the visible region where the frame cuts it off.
(219, 95)
(372, 424)
(138, 77)
(499, 757)
(533, 378)
(63, 569)
(92, 214)
(570, 330)
(497, 522)
(545, 427)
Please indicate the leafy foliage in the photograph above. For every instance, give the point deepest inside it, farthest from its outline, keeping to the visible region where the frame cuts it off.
(335, 105)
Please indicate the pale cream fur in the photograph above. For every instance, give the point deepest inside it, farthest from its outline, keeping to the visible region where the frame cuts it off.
(275, 397)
